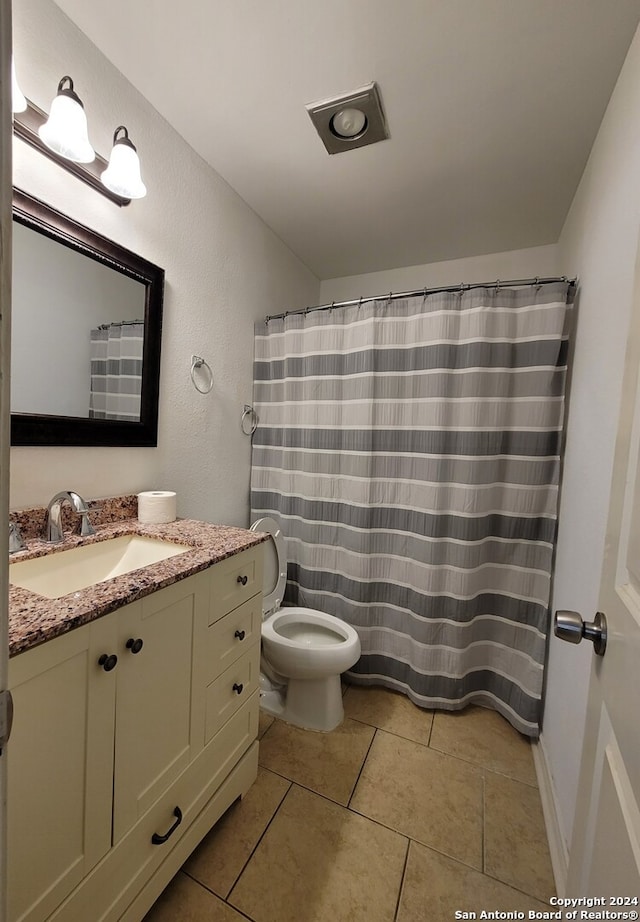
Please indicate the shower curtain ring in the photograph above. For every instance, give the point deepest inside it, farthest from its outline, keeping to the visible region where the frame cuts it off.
(360, 302)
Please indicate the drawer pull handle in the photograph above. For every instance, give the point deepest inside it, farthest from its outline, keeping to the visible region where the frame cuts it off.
(242, 580)
(108, 662)
(160, 840)
(134, 645)
(237, 687)
(239, 635)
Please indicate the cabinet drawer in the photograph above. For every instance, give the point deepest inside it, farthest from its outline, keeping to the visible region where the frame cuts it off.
(235, 580)
(230, 637)
(231, 690)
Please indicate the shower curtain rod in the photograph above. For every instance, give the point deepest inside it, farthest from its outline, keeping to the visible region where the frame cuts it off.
(393, 296)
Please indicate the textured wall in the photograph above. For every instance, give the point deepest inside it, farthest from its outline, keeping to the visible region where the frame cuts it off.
(224, 269)
(513, 264)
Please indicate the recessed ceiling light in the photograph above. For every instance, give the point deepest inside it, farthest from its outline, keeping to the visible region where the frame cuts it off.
(348, 123)
(354, 120)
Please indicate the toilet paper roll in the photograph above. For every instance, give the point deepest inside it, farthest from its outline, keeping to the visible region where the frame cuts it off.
(156, 507)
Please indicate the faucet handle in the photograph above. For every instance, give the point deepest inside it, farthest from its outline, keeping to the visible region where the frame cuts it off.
(15, 538)
(86, 528)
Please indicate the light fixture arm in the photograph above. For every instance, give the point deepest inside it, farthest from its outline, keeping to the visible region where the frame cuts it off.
(123, 140)
(69, 90)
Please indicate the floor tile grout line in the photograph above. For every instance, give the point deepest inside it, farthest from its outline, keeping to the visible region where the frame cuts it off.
(216, 895)
(260, 738)
(428, 745)
(404, 871)
(305, 787)
(505, 883)
(433, 720)
(364, 762)
(479, 766)
(484, 819)
(417, 841)
(253, 850)
(476, 766)
(494, 771)
(401, 736)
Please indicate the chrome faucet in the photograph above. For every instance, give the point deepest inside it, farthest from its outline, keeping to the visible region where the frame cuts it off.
(15, 538)
(53, 523)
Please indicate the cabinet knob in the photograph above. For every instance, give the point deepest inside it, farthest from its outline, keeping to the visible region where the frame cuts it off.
(242, 580)
(134, 645)
(239, 635)
(237, 687)
(108, 662)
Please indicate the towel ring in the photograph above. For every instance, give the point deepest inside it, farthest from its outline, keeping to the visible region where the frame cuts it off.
(198, 362)
(253, 420)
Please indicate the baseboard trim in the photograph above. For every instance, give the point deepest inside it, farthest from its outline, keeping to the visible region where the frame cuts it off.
(557, 845)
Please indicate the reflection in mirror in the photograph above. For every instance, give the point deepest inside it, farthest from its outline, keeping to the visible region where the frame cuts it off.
(86, 323)
(67, 319)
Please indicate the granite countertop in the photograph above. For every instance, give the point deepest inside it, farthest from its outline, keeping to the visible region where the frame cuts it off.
(34, 619)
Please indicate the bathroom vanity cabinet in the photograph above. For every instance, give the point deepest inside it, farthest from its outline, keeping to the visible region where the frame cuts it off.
(132, 735)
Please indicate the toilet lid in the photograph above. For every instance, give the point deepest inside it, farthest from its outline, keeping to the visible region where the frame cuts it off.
(275, 564)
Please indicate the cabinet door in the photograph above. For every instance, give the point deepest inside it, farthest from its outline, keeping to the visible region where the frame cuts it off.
(60, 767)
(154, 740)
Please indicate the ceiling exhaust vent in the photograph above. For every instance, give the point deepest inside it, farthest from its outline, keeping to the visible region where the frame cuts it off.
(354, 120)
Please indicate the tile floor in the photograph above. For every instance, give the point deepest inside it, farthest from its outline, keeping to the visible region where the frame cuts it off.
(399, 815)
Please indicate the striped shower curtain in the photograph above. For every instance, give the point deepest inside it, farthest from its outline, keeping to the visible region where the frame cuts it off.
(410, 451)
(116, 371)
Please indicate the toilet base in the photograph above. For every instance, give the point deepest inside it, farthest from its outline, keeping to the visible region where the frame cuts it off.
(272, 702)
(313, 704)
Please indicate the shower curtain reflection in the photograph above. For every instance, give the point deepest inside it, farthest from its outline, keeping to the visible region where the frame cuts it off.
(116, 370)
(410, 451)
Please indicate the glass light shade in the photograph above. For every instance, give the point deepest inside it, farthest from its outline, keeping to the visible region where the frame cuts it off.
(18, 101)
(348, 123)
(122, 176)
(65, 131)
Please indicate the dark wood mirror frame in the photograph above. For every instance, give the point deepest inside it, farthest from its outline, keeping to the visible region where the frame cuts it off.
(35, 429)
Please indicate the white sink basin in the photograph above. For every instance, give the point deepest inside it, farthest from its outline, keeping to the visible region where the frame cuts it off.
(58, 574)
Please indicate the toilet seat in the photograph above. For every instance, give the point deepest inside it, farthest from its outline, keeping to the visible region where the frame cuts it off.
(306, 627)
(275, 564)
(303, 643)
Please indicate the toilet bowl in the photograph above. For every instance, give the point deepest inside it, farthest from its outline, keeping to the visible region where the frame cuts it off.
(304, 651)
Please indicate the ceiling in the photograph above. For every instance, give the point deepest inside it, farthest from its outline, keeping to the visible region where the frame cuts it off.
(492, 107)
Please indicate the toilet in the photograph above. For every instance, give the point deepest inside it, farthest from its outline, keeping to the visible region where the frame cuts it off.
(304, 651)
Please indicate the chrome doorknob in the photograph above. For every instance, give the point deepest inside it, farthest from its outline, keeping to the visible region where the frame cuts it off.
(569, 626)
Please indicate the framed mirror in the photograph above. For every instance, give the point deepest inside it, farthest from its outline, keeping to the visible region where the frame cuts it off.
(86, 334)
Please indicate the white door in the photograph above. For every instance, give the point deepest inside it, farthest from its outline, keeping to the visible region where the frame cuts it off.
(605, 848)
(5, 312)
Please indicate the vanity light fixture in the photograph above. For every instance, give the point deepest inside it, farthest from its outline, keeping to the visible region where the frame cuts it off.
(18, 101)
(65, 131)
(350, 121)
(122, 176)
(62, 137)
